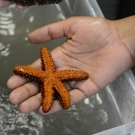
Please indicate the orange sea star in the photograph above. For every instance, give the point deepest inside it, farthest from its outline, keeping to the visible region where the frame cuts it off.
(51, 80)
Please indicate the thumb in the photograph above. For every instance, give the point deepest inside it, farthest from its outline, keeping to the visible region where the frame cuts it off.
(50, 32)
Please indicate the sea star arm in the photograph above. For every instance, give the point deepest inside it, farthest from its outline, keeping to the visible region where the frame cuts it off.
(72, 75)
(29, 72)
(47, 93)
(63, 94)
(47, 61)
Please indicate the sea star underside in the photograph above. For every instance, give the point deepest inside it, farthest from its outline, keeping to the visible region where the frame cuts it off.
(34, 2)
(51, 81)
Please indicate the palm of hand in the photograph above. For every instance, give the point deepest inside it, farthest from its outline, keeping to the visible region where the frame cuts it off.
(93, 45)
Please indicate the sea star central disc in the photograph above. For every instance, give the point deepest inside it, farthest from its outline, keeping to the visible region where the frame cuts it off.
(50, 80)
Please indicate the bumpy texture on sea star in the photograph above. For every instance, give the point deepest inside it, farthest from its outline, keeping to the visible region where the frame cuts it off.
(35, 2)
(51, 81)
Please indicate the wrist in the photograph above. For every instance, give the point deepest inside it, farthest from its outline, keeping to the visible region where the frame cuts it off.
(126, 31)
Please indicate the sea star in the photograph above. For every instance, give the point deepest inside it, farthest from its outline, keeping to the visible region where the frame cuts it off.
(51, 81)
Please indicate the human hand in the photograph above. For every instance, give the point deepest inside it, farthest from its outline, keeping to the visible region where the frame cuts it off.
(93, 45)
(6, 3)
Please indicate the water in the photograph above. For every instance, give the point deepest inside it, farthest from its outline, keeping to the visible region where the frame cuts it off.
(85, 118)
(90, 116)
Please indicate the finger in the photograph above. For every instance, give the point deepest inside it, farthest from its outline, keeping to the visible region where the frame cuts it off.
(17, 81)
(19, 7)
(88, 87)
(51, 31)
(5, 3)
(76, 96)
(24, 92)
(30, 104)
